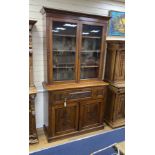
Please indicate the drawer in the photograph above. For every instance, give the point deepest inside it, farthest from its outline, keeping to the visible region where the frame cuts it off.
(80, 94)
(59, 95)
(99, 92)
(72, 94)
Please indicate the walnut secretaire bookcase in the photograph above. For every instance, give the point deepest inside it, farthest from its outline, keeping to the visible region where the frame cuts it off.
(33, 138)
(75, 45)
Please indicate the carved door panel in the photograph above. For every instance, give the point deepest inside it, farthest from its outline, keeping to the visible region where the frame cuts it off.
(91, 113)
(120, 66)
(65, 119)
(119, 107)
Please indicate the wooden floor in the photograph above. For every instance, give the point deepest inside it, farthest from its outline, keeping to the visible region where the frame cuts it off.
(44, 144)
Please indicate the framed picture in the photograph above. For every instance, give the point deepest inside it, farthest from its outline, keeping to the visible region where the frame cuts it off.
(116, 24)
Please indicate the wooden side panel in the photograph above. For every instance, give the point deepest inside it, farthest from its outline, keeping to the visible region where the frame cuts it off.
(120, 66)
(110, 105)
(119, 112)
(91, 113)
(110, 65)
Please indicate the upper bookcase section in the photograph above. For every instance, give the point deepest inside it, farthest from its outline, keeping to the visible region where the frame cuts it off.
(75, 44)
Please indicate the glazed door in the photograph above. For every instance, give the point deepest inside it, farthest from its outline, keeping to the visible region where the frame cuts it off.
(120, 66)
(91, 51)
(64, 49)
(91, 113)
(65, 119)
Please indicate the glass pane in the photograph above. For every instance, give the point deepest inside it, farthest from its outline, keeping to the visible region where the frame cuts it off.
(64, 48)
(90, 52)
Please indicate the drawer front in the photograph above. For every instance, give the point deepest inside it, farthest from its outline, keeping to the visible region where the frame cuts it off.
(79, 94)
(72, 94)
(60, 95)
(99, 92)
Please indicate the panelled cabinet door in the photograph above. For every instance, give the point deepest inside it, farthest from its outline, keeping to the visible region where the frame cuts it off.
(65, 119)
(91, 113)
(120, 66)
(119, 112)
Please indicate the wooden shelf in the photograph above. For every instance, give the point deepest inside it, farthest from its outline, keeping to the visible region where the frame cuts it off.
(64, 64)
(87, 51)
(62, 67)
(64, 35)
(64, 51)
(91, 37)
(89, 66)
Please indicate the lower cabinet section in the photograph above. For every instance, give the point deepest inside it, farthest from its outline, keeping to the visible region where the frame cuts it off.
(71, 115)
(115, 107)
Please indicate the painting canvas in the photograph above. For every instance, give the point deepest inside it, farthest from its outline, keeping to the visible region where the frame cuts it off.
(117, 24)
